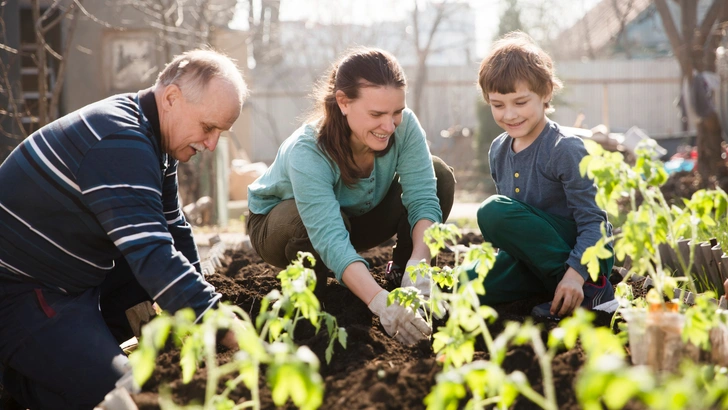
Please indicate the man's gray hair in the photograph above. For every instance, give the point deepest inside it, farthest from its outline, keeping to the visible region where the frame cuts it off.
(192, 71)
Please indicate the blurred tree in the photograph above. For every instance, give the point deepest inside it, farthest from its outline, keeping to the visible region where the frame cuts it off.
(264, 31)
(510, 20)
(32, 66)
(424, 40)
(183, 25)
(694, 46)
(487, 129)
(36, 37)
(622, 9)
(484, 135)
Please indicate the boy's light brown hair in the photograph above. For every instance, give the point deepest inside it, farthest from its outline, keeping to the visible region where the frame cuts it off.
(514, 58)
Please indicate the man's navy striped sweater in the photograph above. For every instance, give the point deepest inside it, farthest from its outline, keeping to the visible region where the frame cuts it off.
(92, 187)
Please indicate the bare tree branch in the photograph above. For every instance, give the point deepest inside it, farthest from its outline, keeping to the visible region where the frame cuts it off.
(94, 18)
(57, 19)
(709, 19)
(61, 74)
(8, 49)
(678, 47)
(40, 59)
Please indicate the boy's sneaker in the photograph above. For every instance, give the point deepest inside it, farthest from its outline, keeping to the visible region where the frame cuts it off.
(600, 296)
(597, 296)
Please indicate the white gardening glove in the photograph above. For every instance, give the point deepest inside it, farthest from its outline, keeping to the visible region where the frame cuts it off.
(401, 323)
(424, 284)
(421, 283)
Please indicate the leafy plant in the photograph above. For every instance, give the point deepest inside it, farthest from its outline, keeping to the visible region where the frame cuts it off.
(467, 322)
(280, 312)
(292, 372)
(652, 222)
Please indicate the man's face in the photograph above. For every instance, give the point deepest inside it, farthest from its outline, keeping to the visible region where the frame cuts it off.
(192, 127)
(522, 114)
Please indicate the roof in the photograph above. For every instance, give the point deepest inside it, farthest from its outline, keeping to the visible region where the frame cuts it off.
(598, 27)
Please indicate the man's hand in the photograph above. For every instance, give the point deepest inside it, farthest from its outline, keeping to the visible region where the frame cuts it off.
(403, 324)
(421, 283)
(569, 293)
(229, 341)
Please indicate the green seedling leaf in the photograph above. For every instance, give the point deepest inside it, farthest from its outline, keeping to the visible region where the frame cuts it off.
(444, 277)
(592, 256)
(295, 376)
(482, 257)
(437, 236)
(456, 347)
(445, 395)
(619, 391)
(190, 354)
(143, 361)
(408, 297)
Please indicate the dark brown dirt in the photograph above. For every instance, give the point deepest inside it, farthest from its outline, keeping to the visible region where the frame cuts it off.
(375, 371)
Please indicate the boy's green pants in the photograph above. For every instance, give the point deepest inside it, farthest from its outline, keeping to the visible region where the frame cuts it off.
(533, 249)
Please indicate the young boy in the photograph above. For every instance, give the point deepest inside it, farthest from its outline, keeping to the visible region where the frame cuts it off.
(544, 214)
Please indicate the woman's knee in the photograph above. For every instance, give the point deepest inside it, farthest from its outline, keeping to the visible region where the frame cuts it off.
(445, 185)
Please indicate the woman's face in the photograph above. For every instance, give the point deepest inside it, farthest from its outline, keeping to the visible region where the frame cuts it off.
(373, 116)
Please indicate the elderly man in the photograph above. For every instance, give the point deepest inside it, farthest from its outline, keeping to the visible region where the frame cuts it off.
(90, 226)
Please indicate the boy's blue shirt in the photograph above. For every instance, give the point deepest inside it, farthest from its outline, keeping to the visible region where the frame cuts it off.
(546, 175)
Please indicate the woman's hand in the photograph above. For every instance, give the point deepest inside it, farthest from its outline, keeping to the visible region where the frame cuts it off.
(401, 323)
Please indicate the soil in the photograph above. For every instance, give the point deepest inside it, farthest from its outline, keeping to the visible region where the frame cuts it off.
(375, 371)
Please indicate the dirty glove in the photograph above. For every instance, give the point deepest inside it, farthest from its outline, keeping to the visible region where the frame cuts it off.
(401, 323)
(421, 283)
(424, 284)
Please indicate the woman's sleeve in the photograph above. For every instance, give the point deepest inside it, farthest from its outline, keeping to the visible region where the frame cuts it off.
(313, 178)
(416, 173)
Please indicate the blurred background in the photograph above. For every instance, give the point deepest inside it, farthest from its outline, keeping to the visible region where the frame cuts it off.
(632, 69)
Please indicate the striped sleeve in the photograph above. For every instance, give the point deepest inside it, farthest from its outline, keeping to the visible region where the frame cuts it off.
(123, 185)
(176, 223)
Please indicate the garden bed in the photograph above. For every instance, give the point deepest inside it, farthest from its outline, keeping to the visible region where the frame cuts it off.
(374, 371)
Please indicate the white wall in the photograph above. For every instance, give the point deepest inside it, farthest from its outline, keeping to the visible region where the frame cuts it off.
(638, 92)
(621, 94)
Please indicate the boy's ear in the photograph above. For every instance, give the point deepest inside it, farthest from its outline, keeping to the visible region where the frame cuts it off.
(548, 97)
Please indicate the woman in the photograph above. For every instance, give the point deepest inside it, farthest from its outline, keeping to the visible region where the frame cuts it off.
(356, 174)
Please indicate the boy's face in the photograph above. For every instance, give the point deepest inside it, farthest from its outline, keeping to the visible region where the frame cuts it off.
(522, 114)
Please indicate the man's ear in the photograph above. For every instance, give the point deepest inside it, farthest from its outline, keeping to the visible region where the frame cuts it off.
(342, 100)
(172, 95)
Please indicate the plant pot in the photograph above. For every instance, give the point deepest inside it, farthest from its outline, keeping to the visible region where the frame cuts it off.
(663, 338)
(719, 343)
(636, 320)
(655, 338)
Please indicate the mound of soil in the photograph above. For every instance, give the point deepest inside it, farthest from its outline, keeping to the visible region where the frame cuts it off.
(375, 371)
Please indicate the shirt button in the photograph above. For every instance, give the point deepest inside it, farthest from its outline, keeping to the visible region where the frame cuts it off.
(516, 175)
(518, 190)
(369, 203)
(370, 191)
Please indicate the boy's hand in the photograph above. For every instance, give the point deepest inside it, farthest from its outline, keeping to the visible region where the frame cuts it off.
(569, 293)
